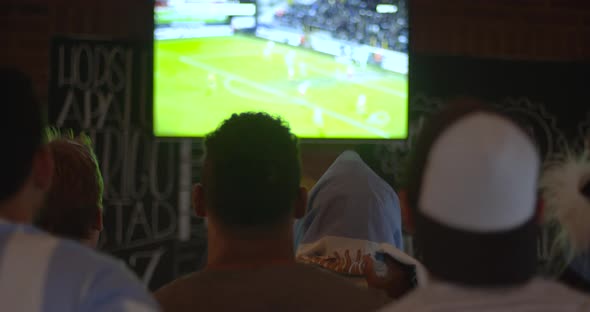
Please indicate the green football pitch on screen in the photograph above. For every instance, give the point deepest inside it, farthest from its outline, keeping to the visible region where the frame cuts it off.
(200, 82)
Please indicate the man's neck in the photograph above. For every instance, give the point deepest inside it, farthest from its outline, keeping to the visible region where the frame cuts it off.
(234, 252)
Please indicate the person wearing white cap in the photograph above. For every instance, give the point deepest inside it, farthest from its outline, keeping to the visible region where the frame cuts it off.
(472, 190)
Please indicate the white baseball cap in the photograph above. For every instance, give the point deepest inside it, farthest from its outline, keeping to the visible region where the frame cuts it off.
(481, 176)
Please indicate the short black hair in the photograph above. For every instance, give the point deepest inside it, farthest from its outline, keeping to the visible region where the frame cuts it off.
(21, 125)
(252, 171)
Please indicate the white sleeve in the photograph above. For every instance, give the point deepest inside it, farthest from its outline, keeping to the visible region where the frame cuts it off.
(116, 289)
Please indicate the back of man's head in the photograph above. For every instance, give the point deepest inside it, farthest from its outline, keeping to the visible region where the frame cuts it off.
(21, 128)
(472, 187)
(251, 172)
(73, 208)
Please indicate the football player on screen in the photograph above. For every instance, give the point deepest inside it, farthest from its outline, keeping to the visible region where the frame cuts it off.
(361, 105)
(290, 62)
(268, 49)
(211, 84)
(302, 88)
(318, 120)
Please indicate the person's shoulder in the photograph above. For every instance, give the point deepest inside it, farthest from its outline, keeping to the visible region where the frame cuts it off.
(533, 296)
(337, 289)
(55, 249)
(572, 279)
(105, 283)
(108, 285)
(90, 280)
(179, 283)
(24, 233)
(416, 300)
(561, 298)
(91, 257)
(176, 291)
(559, 292)
(45, 247)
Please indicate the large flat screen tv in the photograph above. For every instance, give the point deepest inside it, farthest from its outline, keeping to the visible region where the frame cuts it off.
(332, 69)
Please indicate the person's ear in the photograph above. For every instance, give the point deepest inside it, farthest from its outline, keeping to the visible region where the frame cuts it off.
(43, 166)
(406, 211)
(300, 203)
(198, 199)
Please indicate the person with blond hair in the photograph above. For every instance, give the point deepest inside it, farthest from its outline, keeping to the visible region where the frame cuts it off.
(40, 272)
(73, 207)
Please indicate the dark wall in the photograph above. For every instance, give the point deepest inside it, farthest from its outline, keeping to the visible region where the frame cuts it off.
(549, 98)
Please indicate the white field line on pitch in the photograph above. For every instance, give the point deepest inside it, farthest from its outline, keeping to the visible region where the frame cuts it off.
(224, 55)
(323, 72)
(310, 68)
(258, 98)
(351, 81)
(300, 102)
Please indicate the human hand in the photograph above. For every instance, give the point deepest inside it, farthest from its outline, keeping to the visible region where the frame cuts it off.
(396, 281)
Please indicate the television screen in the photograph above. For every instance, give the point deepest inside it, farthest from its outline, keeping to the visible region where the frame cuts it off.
(332, 69)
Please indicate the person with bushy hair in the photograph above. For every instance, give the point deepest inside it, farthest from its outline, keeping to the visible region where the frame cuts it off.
(565, 186)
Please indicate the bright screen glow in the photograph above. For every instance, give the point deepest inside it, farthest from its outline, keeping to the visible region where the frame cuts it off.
(386, 8)
(333, 69)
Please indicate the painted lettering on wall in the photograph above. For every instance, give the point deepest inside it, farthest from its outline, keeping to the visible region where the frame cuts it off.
(102, 88)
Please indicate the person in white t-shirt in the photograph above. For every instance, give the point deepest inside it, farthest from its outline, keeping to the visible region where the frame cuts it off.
(39, 272)
(472, 191)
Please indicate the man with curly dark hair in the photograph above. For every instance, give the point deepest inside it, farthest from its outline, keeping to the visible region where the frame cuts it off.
(250, 194)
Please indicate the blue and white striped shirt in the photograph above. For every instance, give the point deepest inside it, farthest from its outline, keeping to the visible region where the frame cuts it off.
(39, 272)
